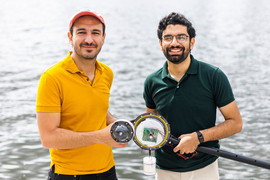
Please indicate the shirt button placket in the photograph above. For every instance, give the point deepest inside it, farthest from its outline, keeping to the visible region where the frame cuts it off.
(177, 90)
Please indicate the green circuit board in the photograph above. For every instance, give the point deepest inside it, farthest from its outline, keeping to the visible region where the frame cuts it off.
(150, 134)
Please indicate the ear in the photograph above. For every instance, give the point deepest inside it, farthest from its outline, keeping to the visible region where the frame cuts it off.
(70, 38)
(192, 42)
(160, 43)
(103, 38)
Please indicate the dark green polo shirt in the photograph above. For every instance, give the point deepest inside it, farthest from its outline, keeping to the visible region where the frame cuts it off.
(188, 105)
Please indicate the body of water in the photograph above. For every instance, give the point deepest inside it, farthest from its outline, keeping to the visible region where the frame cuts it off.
(233, 35)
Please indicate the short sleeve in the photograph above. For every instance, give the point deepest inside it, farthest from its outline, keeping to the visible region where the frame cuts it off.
(147, 95)
(223, 93)
(48, 95)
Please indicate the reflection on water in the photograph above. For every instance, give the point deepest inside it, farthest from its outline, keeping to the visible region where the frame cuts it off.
(233, 35)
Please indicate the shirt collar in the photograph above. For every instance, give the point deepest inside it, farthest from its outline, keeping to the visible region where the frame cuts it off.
(193, 68)
(69, 64)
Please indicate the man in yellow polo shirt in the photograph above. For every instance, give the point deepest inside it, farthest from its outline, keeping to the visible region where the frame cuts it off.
(72, 106)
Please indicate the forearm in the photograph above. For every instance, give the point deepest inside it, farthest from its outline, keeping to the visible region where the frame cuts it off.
(231, 125)
(61, 138)
(58, 138)
(223, 130)
(189, 142)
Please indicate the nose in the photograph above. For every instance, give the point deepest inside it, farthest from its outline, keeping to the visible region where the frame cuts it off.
(174, 41)
(89, 38)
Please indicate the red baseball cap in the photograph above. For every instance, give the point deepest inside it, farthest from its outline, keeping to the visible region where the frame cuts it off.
(85, 12)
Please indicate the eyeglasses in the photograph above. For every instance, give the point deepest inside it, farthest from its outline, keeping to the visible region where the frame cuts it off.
(181, 38)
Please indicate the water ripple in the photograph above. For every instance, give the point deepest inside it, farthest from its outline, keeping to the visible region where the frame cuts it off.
(232, 35)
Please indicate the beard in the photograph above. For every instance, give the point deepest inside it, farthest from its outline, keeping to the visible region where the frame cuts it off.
(177, 59)
(89, 54)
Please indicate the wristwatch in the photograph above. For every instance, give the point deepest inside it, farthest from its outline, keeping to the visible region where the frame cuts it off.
(200, 136)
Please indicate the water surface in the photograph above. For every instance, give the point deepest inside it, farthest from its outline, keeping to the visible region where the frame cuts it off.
(232, 35)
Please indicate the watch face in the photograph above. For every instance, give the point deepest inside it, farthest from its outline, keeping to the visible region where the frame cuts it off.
(201, 139)
(200, 136)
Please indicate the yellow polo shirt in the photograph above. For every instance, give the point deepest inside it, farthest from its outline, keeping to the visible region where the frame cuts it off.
(83, 105)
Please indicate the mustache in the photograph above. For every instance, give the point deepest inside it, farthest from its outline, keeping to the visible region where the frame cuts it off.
(87, 44)
(176, 47)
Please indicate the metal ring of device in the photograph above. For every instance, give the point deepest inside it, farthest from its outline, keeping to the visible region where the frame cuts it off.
(122, 131)
(151, 118)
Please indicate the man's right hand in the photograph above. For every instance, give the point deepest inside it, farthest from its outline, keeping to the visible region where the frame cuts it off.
(106, 138)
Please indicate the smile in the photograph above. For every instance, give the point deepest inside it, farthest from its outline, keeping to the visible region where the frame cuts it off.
(89, 47)
(176, 51)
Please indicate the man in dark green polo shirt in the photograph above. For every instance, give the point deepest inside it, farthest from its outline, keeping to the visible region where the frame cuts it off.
(187, 93)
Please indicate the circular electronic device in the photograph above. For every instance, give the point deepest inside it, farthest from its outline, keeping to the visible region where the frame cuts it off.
(152, 131)
(122, 131)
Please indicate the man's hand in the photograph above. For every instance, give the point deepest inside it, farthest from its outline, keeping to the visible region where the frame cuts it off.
(188, 143)
(106, 138)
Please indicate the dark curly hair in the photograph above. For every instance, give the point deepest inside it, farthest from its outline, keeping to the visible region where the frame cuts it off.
(175, 18)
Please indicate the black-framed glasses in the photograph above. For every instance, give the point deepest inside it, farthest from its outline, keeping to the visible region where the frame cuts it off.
(180, 38)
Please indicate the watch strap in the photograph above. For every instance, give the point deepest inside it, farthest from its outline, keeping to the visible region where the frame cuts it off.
(200, 136)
